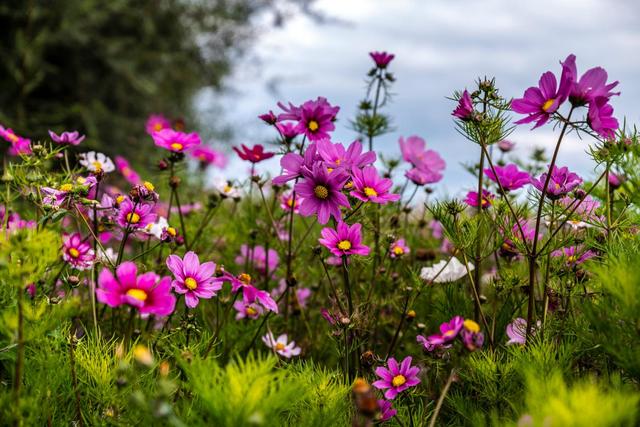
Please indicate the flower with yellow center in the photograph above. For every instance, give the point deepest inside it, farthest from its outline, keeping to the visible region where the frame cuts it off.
(245, 278)
(172, 231)
(176, 146)
(250, 311)
(370, 192)
(149, 186)
(471, 326)
(74, 252)
(158, 127)
(138, 294)
(572, 259)
(344, 245)
(119, 199)
(398, 250)
(548, 103)
(321, 192)
(313, 125)
(66, 187)
(227, 189)
(97, 166)
(13, 138)
(190, 283)
(398, 380)
(279, 346)
(133, 218)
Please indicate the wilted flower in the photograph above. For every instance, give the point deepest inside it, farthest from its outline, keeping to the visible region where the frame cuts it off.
(396, 378)
(96, 162)
(281, 345)
(345, 240)
(71, 138)
(446, 271)
(192, 279)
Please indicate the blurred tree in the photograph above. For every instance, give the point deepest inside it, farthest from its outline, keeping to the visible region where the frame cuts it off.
(103, 66)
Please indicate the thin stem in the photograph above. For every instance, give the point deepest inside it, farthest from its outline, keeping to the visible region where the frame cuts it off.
(403, 315)
(445, 390)
(478, 258)
(74, 378)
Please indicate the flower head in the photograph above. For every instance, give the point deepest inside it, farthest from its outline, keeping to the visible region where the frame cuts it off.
(135, 215)
(591, 85)
(77, 252)
(517, 331)
(464, 110)
(369, 187)
(250, 294)
(71, 138)
(269, 118)
(321, 192)
(174, 141)
(192, 279)
(344, 240)
(600, 118)
(281, 345)
(335, 156)
(573, 255)
(396, 378)
(287, 202)
(381, 59)
(156, 123)
(445, 271)
(247, 311)
(387, 411)
(96, 162)
(208, 156)
(509, 176)
(427, 164)
(471, 336)
(561, 183)
(127, 172)
(255, 154)
(315, 118)
(486, 202)
(505, 146)
(148, 293)
(398, 249)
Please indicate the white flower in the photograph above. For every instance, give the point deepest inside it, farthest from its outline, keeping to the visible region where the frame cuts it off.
(156, 228)
(226, 188)
(280, 345)
(109, 256)
(445, 271)
(96, 162)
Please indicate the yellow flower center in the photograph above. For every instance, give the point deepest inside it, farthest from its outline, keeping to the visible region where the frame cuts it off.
(133, 218)
(138, 294)
(97, 166)
(250, 311)
(290, 202)
(126, 171)
(158, 126)
(245, 278)
(398, 250)
(321, 192)
(74, 252)
(190, 283)
(172, 231)
(13, 138)
(203, 157)
(81, 180)
(344, 245)
(471, 326)
(119, 199)
(398, 380)
(176, 146)
(227, 189)
(370, 192)
(548, 104)
(279, 346)
(149, 186)
(449, 333)
(572, 258)
(313, 125)
(66, 187)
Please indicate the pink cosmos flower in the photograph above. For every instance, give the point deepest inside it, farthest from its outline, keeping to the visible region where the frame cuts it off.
(281, 345)
(315, 118)
(591, 85)
(321, 193)
(387, 411)
(398, 249)
(505, 146)
(600, 118)
(381, 59)
(615, 181)
(148, 293)
(55, 197)
(369, 187)
(250, 294)
(192, 279)
(336, 157)
(427, 164)
(22, 147)
(287, 203)
(71, 138)
(257, 257)
(293, 164)
(345, 240)
(464, 110)
(517, 332)
(269, 118)
(448, 332)
(127, 172)
(397, 378)
(156, 123)
(77, 252)
(573, 255)
(255, 154)
(487, 199)
(509, 176)
(247, 311)
(135, 215)
(561, 183)
(177, 142)
(288, 130)
(208, 156)
(539, 103)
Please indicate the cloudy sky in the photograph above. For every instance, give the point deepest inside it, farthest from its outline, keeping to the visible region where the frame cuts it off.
(440, 46)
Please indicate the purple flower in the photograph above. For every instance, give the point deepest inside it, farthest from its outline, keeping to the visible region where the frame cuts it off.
(517, 331)
(315, 118)
(506, 146)
(192, 279)
(135, 215)
(345, 240)
(472, 199)
(591, 85)
(539, 103)
(448, 331)
(250, 294)
(288, 130)
(369, 187)
(573, 255)
(387, 411)
(398, 248)
(464, 110)
(382, 59)
(396, 379)
(53, 197)
(561, 183)
(615, 181)
(71, 138)
(293, 164)
(509, 176)
(336, 157)
(287, 202)
(281, 345)
(471, 336)
(77, 252)
(247, 311)
(257, 256)
(127, 172)
(427, 164)
(208, 156)
(156, 123)
(269, 118)
(177, 142)
(600, 118)
(149, 293)
(321, 193)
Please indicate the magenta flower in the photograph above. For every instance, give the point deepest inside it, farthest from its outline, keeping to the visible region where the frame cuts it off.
(382, 59)
(288, 130)
(208, 156)
(573, 255)
(471, 336)
(250, 294)
(247, 311)
(336, 157)
(397, 379)
(509, 176)
(600, 118)
(321, 193)
(427, 164)
(315, 118)
(301, 294)
(591, 85)
(448, 332)
(345, 240)
(255, 154)
(177, 142)
(398, 249)
(615, 181)
(464, 110)
(192, 279)
(369, 187)
(387, 411)
(127, 172)
(281, 345)
(257, 257)
(149, 293)
(517, 332)
(156, 123)
(77, 252)
(269, 118)
(287, 202)
(472, 199)
(505, 146)
(561, 183)
(539, 103)
(22, 147)
(71, 138)
(135, 215)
